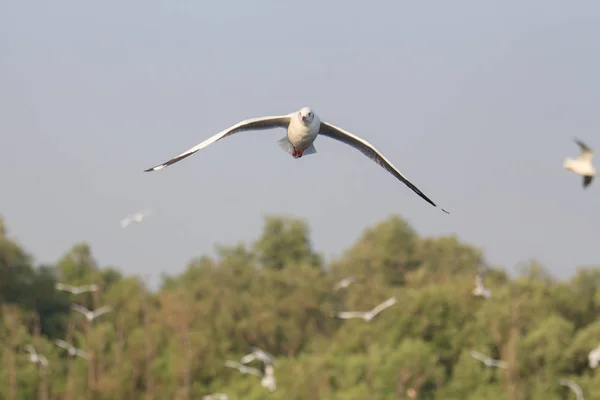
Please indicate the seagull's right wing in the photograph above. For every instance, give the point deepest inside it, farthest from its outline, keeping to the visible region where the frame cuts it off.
(63, 344)
(573, 386)
(252, 124)
(370, 151)
(64, 287)
(478, 356)
(251, 371)
(81, 309)
(248, 358)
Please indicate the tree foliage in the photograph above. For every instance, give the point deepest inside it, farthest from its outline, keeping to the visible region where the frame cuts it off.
(277, 294)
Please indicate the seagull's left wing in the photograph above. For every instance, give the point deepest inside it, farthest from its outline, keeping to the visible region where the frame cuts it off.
(368, 150)
(586, 152)
(388, 303)
(252, 124)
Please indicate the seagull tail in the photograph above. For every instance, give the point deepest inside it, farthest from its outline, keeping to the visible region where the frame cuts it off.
(285, 144)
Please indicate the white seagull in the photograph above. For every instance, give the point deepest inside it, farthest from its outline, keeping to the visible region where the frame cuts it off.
(91, 315)
(344, 283)
(480, 290)
(574, 387)
(36, 358)
(582, 165)
(137, 217)
(268, 380)
(258, 354)
(488, 361)
(243, 369)
(594, 357)
(302, 127)
(73, 351)
(215, 396)
(76, 289)
(368, 315)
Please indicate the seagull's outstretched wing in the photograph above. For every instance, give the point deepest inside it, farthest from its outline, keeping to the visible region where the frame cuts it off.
(478, 356)
(63, 344)
(368, 150)
(81, 309)
(101, 310)
(248, 358)
(351, 314)
(586, 153)
(574, 387)
(43, 361)
(64, 287)
(388, 303)
(252, 124)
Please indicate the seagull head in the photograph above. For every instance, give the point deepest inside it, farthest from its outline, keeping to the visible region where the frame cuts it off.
(306, 115)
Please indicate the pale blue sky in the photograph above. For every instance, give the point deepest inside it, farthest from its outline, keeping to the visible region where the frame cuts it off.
(476, 102)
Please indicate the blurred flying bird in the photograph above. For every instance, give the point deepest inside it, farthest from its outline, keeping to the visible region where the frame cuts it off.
(582, 165)
(488, 361)
(73, 351)
(480, 290)
(76, 289)
(137, 217)
(344, 283)
(91, 315)
(368, 315)
(36, 358)
(258, 354)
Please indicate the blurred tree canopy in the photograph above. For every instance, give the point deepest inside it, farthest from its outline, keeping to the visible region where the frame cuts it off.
(278, 294)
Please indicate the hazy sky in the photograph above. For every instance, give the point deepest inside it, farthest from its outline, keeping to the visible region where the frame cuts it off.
(475, 102)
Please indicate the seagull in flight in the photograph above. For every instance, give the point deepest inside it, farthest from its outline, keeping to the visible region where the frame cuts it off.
(488, 361)
(73, 351)
(480, 290)
(582, 165)
(243, 369)
(36, 358)
(258, 354)
(91, 315)
(368, 315)
(303, 127)
(574, 387)
(137, 217)
(76, 289)
(215, 396)
(344, 283)
(594, 357)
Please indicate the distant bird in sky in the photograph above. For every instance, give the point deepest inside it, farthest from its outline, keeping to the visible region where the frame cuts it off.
(258, 354)
(574, 387)
(268, 380)
(243, 369)
(480, 290)
(582, 165)
(302, 128)
(594, 357)
(36, 358)
(344, 283)
(76, 289)
(488, 361)
(215, 396)
(368, 315)
(73, 351)
(137, 217)
(91, 315)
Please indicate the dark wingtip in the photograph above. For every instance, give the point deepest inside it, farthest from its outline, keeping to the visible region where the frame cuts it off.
(445, 211)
